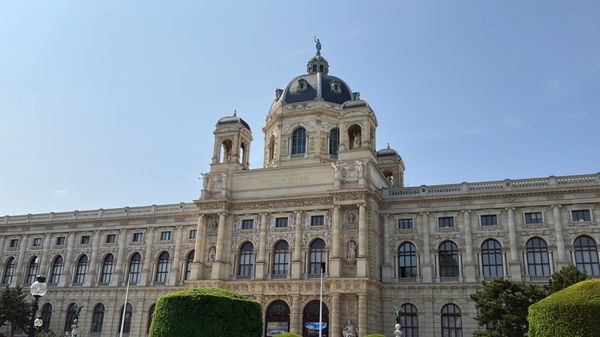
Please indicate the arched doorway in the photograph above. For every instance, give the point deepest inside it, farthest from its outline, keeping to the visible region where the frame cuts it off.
(277, 319)
(310, 320)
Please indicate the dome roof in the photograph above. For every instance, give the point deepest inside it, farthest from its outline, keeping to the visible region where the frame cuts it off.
(387, 152)
(232, 120)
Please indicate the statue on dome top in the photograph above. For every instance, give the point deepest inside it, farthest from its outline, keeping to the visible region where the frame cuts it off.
(318, 45)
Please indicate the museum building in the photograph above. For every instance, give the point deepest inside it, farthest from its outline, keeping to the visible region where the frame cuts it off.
(326, 196)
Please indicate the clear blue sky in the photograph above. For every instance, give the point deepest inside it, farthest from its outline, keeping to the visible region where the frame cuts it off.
(113, 103)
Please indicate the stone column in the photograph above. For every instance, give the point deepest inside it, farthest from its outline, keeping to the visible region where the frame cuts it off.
(514, 264)
(262, 263)
(427, 267)
(67, 263)
(45, 256)
(361, 261)
(334, 319)
(296, 316)
(335, 268)
(218, 269)
(560, 238)
(21, 267)
(297, 256)
(175, 276)
(362, 314)
(468, 265)
(146, 278)
(200, 248)
(120, 264)
(91, 277)
(388, 267)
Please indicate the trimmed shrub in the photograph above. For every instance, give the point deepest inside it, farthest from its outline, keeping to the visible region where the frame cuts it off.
(288, 334)
(572, 312)
(375, 335)
(206, 312)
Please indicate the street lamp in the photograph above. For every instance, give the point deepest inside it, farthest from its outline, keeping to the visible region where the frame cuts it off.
(37, 289)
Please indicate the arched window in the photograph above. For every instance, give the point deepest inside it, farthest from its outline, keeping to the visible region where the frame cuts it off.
(9, 270)
(70, 317)
(150, 317)
(46, 316)
(586, 255)
(98, 318)
(281, 258)
(310, 319)
(317, 256)
(491, 259)
(299, 141)
(277, 318)
(128, 315)
(189, 261)
(80, 270)
(246, 266)
(244, 150)
(162, 271)
(226, 150)
(451, 321)
(538, 261)
(407, 261)
(271, 149)
(107, 269)
(449, 263)
(334, 141)
(57, 265)
(32, 270)
(135, 268)
(409, 320)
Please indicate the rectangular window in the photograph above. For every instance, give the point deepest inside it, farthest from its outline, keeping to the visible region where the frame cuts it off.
(533, 217)
(281, 222)
(247, 224)
(60, 241)
(111, 238)
(14, 243)
(85, 240)
(165, 236)
(192, 235)
(405, 223)
(317, 220)
(37, 242)
(138, 237)
(446, 222)
(489, 220)
(581, 215)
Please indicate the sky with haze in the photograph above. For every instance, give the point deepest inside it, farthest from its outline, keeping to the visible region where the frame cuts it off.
(113, 103)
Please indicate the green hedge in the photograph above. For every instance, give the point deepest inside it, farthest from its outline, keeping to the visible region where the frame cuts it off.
(571, 312)
(375, 335)
(206, 312)
(288, 334)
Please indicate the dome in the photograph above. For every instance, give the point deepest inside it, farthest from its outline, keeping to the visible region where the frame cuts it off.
(232, 120)
(387, 152)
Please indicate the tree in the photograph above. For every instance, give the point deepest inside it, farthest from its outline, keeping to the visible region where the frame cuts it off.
(14, 309)
(502, 307)
(567, 276)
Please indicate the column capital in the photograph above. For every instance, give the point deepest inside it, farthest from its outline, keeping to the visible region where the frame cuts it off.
(556, 206)
(509, 209)
(298, 212)
(202, 215)
(424, 213)
(363, 204)
(466, 211)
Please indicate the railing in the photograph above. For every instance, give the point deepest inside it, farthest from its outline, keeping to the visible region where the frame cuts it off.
(494, 186)
(101, 213)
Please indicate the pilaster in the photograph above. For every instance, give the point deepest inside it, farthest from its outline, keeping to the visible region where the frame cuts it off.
(297, 256)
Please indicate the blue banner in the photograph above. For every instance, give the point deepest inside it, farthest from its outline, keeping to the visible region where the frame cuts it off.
(315, 325)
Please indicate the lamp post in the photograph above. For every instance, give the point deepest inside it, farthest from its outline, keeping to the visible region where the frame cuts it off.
(37, 289)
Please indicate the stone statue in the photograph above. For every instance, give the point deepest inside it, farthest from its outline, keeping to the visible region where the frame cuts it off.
(212, 252)
(318, 45)
(397, 327)
(356, 140)
(204, 181)
(337, 172)
(351, 254)
(349, 330)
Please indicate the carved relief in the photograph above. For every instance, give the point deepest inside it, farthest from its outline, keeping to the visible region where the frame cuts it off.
(349, 172)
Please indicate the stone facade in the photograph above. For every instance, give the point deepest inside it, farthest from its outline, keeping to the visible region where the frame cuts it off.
(325, 194)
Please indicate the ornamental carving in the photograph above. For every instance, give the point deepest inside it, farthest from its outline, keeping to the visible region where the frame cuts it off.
(287, 203)
(349, 172)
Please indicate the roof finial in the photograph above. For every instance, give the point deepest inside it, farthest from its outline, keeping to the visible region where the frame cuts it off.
(234, 112)
(318, 45)
(388, 145)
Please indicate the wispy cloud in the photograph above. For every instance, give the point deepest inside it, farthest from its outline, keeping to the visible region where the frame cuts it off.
(513, 122)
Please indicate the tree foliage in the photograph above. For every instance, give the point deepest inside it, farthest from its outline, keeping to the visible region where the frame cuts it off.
(15, 309)
(502, 307)
(564, 278)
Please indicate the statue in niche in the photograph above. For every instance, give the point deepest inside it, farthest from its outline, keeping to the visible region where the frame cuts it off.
(204, 181)
(212, 253)
(356, 140)
(351, 218)
(349, 330)
(351, 251)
